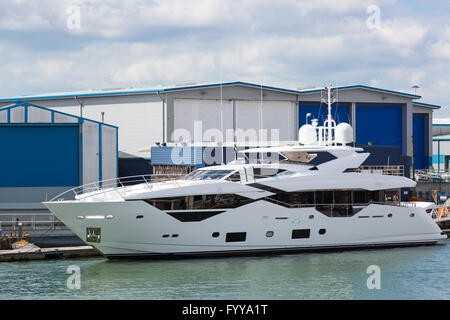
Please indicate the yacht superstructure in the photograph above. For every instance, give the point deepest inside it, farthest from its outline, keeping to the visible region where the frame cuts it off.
(252, 206)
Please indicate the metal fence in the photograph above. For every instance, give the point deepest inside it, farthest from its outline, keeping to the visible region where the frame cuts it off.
(9, 222)
(432, 175)
(386, 170)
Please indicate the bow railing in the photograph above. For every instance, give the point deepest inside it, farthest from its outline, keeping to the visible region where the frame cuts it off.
(114, 185)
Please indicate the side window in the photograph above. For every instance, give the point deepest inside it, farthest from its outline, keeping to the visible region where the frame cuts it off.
(300, 233)
(235, 177)
(236, 236)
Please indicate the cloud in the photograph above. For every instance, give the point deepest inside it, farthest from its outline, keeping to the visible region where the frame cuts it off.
(286, 43)
(403, 35)
(54, 68)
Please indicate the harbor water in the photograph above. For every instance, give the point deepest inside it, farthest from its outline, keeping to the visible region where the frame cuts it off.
(405, 273)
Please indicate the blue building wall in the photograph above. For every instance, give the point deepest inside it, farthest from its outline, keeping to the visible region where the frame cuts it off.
(420, 138)
(182, 156)
(38, 155)
(339, 111)
(380, 124)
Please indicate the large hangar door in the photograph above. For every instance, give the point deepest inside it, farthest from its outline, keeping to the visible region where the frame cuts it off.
(274, 115)
(380, 124)
(420, 138)
(39, 155)
(207, 113)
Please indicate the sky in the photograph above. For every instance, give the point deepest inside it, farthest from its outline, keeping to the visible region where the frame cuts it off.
(71, 45)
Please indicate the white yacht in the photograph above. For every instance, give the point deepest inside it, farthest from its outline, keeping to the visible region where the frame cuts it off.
(253, 207)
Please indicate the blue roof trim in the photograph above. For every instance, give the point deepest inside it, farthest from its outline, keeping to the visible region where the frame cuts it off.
(368, 88)
(80, 119)
(427, 105)
(79, 95)
(441, 139)
(441, 124)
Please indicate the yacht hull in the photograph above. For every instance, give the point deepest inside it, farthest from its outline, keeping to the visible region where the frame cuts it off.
(135, 229)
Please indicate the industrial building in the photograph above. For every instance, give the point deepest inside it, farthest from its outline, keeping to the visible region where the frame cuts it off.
(45, 152)
(150, 120)
(441, 146)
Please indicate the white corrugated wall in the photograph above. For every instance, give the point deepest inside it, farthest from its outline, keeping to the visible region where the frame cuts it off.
(90, 152)
(109, 153)
(140, 124)
(186, 111)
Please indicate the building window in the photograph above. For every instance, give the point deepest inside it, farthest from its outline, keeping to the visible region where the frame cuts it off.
(236, 236)
(300, 233)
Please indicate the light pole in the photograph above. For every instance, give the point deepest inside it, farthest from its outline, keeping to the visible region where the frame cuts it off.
(415, 87)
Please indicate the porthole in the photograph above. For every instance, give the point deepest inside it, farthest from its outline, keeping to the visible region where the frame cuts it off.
(174, 236)
(269, 234)
(215, 234)
(390, 215)
(311, 216)
(322, 231)
(412, 215)
(165, 236)
(139, 217)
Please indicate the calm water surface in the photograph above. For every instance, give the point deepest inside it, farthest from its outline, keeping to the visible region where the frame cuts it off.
(406, 273)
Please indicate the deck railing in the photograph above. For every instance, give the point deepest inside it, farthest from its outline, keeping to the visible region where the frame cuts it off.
(332, 205)
(386, 170)
(115, 185)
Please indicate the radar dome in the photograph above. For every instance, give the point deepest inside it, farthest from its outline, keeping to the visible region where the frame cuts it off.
(307, 135)
(344, 133)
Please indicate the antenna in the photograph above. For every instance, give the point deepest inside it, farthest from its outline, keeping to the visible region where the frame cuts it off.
(261, 114)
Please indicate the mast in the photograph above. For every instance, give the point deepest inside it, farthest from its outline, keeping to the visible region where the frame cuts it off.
(328, 125)
(329, 115)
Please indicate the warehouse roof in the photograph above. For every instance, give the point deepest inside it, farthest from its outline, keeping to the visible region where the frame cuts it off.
(444, 137)
(26, 106)
(130, 91)
(421, 104)
(359, 86)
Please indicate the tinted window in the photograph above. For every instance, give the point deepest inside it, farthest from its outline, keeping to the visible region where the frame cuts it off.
(300, 233)
(236, 236)
(206, 175)
(211, 201)
(187, 216)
